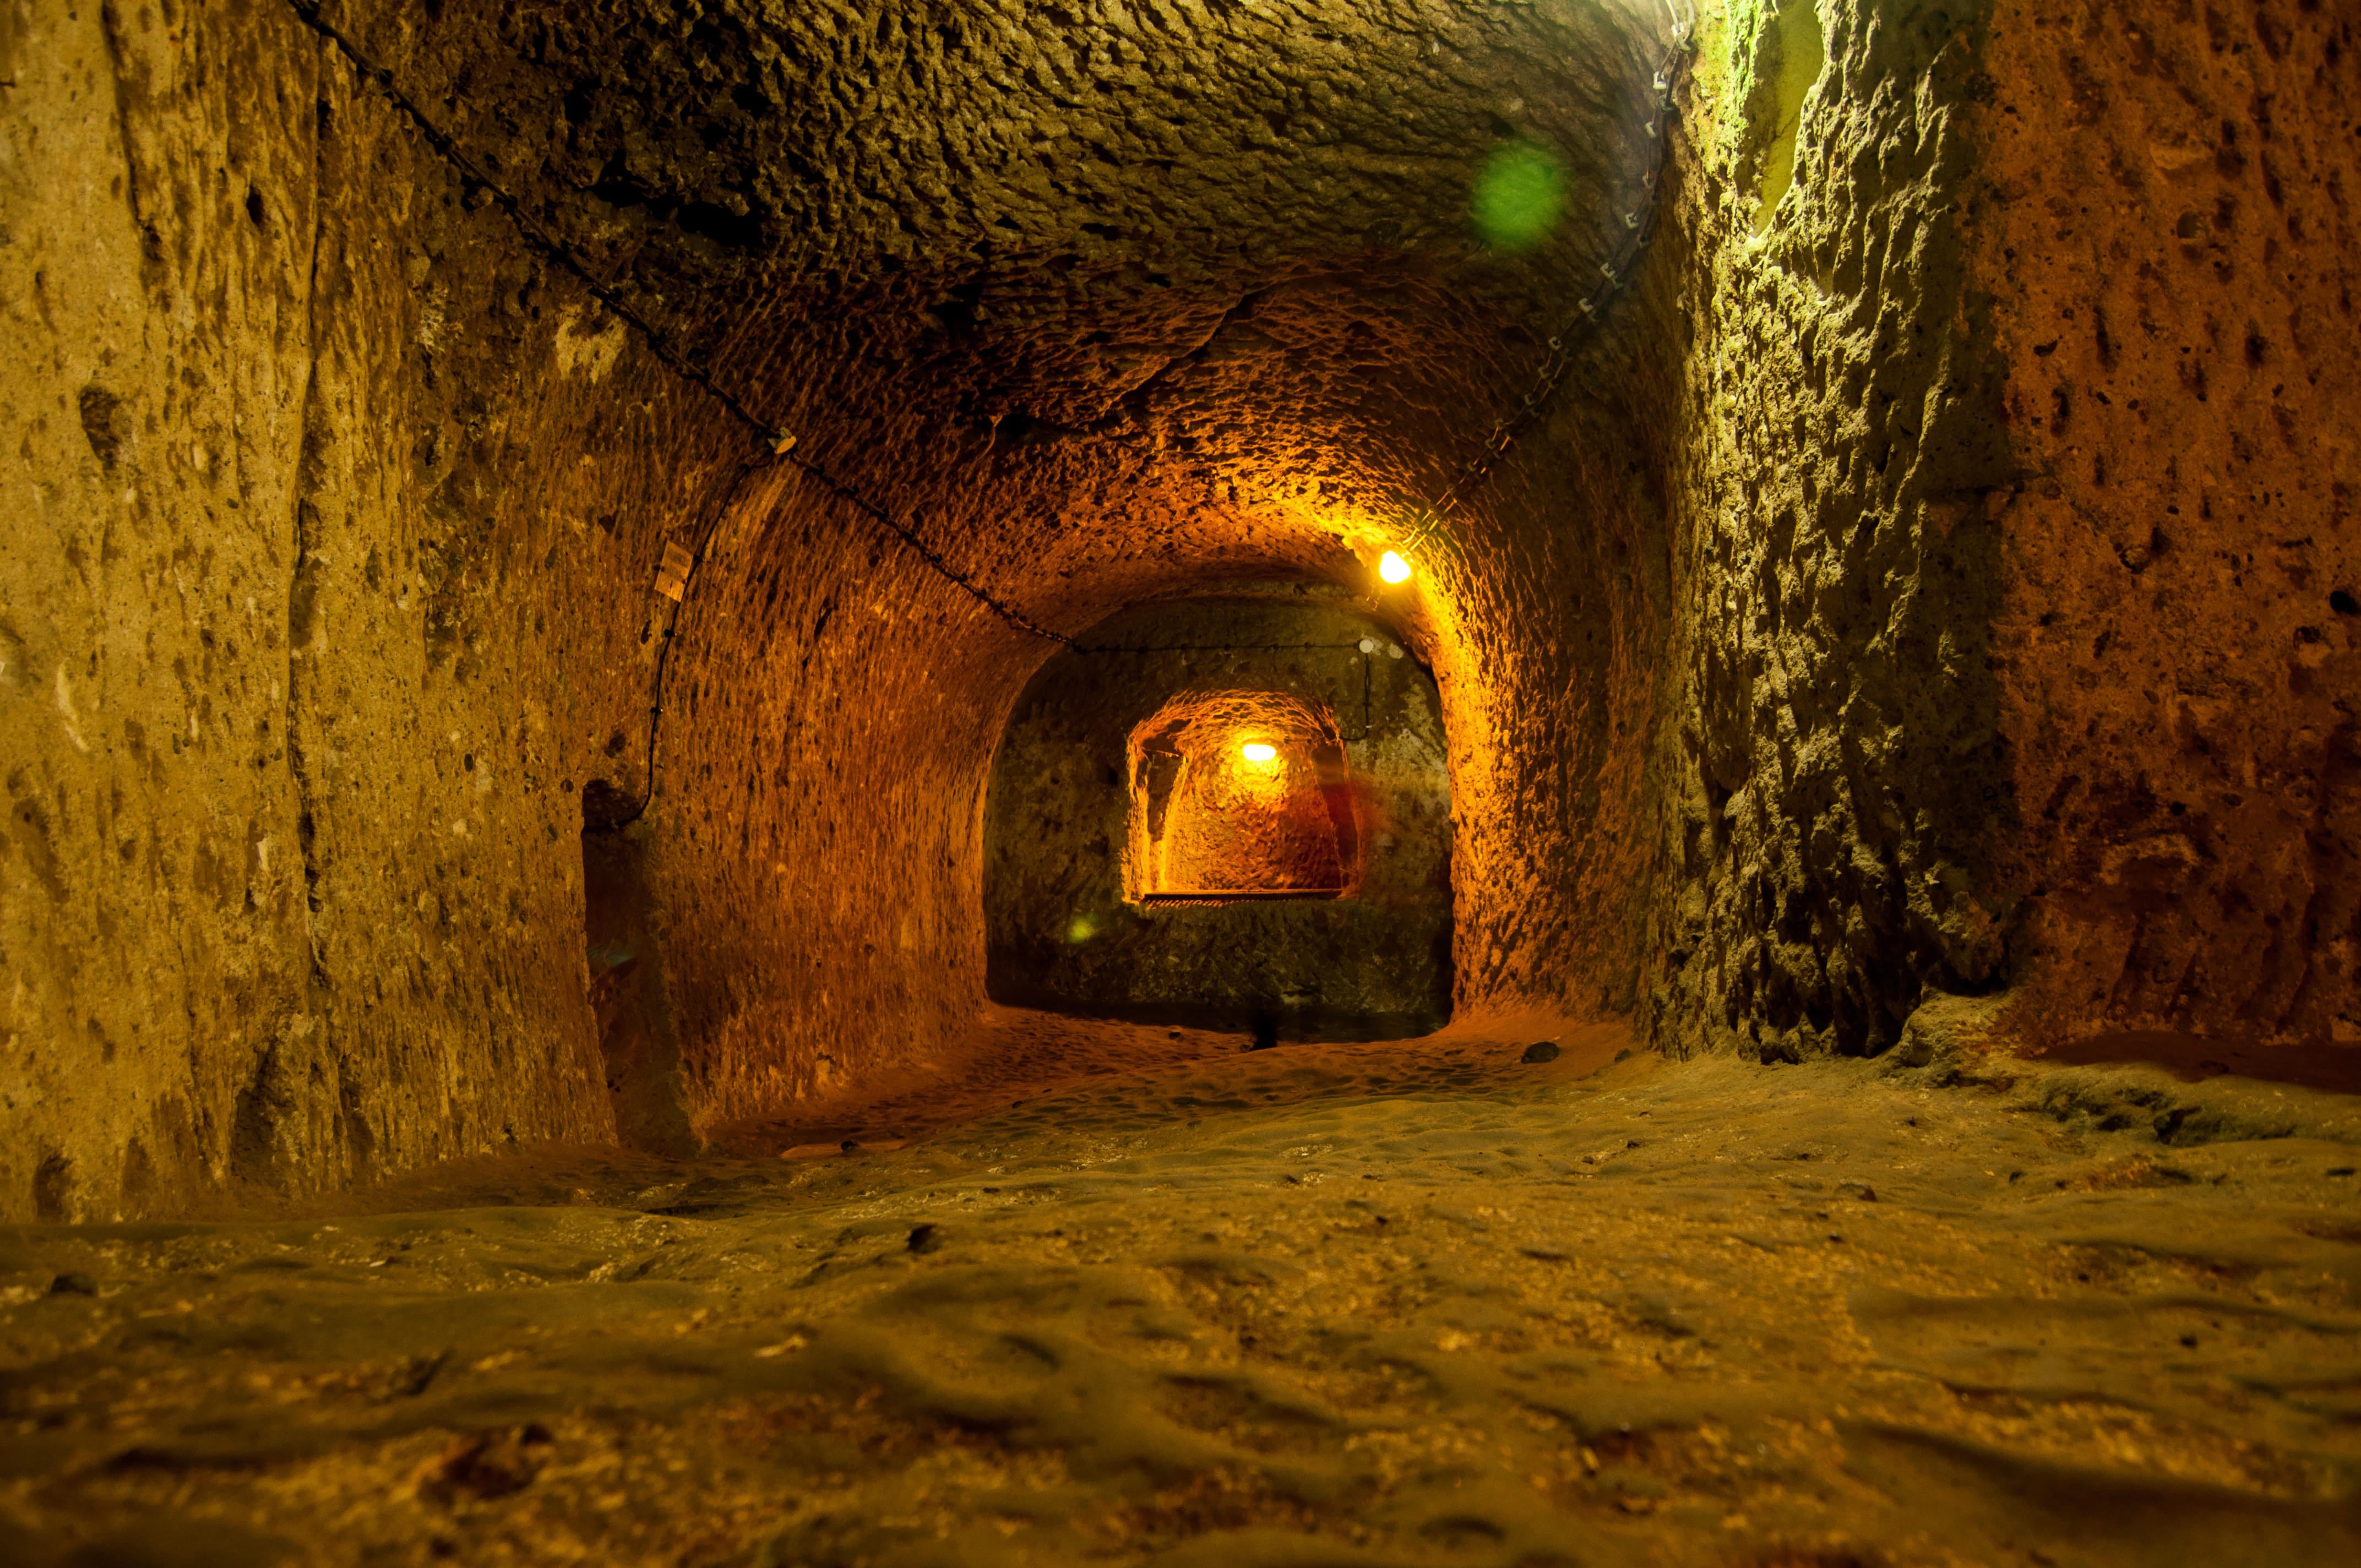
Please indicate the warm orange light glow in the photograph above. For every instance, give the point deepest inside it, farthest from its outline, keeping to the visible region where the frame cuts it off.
(1243, 793)
(1393, 568)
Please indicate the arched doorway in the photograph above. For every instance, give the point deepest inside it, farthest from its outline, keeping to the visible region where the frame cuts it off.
(1240, 794)
(1231, 813)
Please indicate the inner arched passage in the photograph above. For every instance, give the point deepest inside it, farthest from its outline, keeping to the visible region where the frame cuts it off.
(840, 715)
(1240, 794)
(1233, 812)
(1078, 424)
(1096, 334)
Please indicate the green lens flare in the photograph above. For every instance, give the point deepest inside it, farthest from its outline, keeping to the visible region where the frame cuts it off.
(1519, 196)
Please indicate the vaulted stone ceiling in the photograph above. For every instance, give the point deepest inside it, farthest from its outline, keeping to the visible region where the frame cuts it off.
(1922, 597)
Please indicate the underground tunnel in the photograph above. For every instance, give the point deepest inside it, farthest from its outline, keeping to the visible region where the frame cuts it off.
(1303, 782)
(1231, 814)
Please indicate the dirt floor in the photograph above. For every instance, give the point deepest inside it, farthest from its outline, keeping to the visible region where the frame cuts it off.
(1124, 1296)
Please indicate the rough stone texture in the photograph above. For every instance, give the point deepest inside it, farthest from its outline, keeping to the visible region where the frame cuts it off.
(1779, 687)
(2165, 226)
(1157, 297)
(289, 894)
(1067, 929)
(1232, 790)
(1228, 384)
(1836, 785)
(1427, 1303)
(2022, 490)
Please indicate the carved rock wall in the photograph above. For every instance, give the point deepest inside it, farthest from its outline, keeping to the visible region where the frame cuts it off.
(1835, 778)
(2166, 227)
(2012, 660)
(296, 678)
(1945, 589)
(333, 597)
(1168, 362)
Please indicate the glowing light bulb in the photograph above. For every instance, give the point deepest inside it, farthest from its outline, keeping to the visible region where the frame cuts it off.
(1256, 751)
(1393, 568)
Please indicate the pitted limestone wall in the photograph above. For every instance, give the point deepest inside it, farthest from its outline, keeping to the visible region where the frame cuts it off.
(329, 594)
(2020, 499)
(2166, 225)
(334, 592)
(1834, 773)
(291, 889)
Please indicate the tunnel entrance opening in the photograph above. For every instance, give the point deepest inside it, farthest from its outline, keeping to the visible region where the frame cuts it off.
(1180, 830)
(1240, 794)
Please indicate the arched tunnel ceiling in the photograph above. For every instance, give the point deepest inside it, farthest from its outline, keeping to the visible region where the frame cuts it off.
(1104, 305)
(1224, 251)
(1810, 668)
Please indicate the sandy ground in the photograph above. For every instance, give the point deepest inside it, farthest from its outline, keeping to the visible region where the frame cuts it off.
(1129, 1297)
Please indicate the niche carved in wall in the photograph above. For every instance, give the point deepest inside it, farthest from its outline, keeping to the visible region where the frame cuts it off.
(1240, 794)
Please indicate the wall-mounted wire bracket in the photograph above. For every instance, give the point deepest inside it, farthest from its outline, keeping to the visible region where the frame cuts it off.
(672, 576)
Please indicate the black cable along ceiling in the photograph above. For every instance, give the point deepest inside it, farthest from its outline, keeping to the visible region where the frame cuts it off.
(780, 445)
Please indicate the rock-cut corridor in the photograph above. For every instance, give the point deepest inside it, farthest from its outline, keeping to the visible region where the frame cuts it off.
(1211, 783)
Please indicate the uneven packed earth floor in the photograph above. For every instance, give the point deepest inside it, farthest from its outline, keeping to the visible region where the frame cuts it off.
(1117, 1295)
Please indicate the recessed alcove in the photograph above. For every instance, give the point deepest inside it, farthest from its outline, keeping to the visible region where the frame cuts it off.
(1232, 812)
(1239, 795)
(629, 1001)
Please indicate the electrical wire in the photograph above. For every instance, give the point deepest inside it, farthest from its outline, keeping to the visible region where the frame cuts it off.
(1426, 522)
(663, 653)
(781, 442)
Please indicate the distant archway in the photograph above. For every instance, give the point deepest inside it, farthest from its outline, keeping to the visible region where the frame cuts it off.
(1240, 794)
(1230, 813)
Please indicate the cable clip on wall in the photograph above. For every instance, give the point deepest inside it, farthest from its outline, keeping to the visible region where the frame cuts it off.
(672, 576)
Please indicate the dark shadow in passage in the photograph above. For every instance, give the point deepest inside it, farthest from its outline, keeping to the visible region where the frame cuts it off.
(637, 1037)
(2333, 1068)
